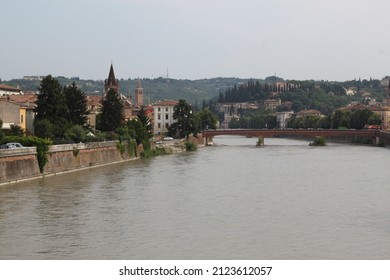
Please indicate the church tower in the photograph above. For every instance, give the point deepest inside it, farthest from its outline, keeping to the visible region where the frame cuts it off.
(111, 82)
(139, 94)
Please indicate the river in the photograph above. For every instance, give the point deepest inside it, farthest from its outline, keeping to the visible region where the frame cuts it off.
(233, 200)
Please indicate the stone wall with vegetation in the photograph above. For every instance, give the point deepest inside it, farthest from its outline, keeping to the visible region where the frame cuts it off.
(18, 164)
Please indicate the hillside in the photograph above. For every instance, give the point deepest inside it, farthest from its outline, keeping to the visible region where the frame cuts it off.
(154, 89)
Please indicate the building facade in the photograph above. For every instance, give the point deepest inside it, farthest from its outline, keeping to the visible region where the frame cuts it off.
(163, 116)
(282, 118)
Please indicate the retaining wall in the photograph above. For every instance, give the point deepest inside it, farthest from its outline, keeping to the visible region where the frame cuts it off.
(19, 164)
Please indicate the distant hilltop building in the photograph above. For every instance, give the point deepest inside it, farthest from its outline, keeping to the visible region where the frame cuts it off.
(33, 78)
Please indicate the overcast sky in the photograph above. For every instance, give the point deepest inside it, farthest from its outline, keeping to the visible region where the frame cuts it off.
(194, 39)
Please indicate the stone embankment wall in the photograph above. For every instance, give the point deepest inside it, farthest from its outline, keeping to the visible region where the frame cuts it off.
(20, 164)
(17, 164)
(75, 156)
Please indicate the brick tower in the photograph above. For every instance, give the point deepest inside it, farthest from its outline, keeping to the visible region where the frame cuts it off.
(139, 94)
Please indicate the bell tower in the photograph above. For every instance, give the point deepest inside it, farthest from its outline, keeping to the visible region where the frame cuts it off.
(111, 82)
(139, 94)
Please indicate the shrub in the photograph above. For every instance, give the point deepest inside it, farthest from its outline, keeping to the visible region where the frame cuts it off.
(190, 146)
(132, 148)
(76, 133)
(318, 141)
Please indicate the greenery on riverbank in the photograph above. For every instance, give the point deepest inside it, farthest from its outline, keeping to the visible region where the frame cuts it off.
(318, 141)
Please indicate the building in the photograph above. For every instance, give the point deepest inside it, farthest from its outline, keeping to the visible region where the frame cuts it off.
(282, 118)
(18, 110)
(305, 113)
(94, 105)
(139, 94)
(272, 103)
(111, 82)
(384, 113)
(6, 90)
(387, 99)
(163, 116)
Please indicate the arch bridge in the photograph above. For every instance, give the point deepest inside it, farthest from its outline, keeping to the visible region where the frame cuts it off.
(371, 135)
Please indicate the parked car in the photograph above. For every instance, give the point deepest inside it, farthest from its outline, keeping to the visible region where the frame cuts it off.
(168, 138)
(11, 145)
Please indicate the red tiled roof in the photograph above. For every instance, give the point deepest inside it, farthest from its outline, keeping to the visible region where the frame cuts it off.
(26, 98)
(167, 103)
(9, 88)
(94, 99)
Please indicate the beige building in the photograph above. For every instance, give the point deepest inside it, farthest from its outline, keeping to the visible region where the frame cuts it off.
(272, 103)
(384, 113)
(14, 113)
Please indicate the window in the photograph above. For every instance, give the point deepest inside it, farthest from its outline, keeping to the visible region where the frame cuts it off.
(159, 116)
(167, 125)
(166, 116)
(159, 109)
(159, 125)
(166, 109)
(21, 119)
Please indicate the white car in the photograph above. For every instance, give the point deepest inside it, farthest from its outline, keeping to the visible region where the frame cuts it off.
(14, 145)
(168, 138)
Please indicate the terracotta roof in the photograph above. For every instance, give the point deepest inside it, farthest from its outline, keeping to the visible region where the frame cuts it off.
(25, 98)
(309, 112)
(9, 88)
(94, 99)
(167, 103)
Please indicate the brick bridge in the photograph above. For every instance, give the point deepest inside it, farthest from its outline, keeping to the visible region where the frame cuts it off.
(372, 135)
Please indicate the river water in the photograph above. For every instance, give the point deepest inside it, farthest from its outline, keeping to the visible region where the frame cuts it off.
(233, 200)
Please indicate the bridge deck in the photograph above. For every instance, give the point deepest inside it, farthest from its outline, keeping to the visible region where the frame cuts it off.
(293, 132)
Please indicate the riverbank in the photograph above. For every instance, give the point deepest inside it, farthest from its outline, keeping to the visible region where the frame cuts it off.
(18, 165)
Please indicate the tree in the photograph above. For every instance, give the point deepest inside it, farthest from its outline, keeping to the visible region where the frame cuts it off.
(51, 106)
(76, 102)
(145, 121)
(207, 120)
(43, 128)
(138, 131)
(111, 116)
(16, 130)
(185, 120)
(375, 119)
(76, 133)
(341, 118)
(234, 123)
(359, 118)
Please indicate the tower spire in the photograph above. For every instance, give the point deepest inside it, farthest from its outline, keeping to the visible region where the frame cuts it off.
(111, 82)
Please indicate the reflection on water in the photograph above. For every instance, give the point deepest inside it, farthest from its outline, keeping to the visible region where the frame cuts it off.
(285, 200)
